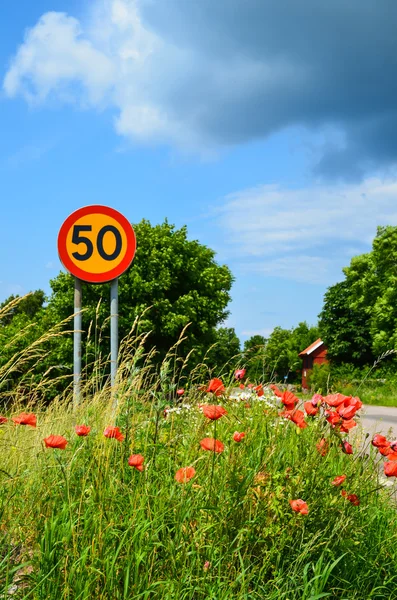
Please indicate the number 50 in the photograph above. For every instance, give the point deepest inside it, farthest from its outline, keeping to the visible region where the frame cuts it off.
(77, 238)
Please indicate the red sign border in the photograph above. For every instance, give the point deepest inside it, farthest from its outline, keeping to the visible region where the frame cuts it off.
(96, 277)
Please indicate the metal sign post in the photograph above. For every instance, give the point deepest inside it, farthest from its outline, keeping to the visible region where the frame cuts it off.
(77, 326)
(96, 244)
(114, 330)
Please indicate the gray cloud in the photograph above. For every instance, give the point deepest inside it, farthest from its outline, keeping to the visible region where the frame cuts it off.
(222, 73)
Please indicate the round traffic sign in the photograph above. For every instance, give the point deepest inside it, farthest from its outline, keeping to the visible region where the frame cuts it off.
(96, 244)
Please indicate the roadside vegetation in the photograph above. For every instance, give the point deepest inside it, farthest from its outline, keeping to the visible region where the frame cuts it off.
(138, 500)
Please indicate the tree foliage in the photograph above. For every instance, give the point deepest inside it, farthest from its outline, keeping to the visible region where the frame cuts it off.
(173, 283)
(358, 321)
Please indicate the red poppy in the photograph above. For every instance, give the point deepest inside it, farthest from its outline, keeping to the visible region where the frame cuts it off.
(82, 430)
(310, 409)
(390, 468)
(259, 390)
(385, 450)
(289, 400)
(55, 441)
(335, 399)
(299, 506)
(379, 441)
(25, 419)
(392, 455)
(136, 460)
(297, 417)
(185, 474)
(241, 386)
(322, 447)
(353, 499)
(347, 448)
(216, 387)
(238, 436)
(240, 374)
(343, 493)
(250, 386)
(338, 480)
(347, 425)
(213, 411)
(276, 391)
(393, 445)
(333, 418)
(113, 432)
(346, 412)
(180, 392)
(3, 420)
(317, 399)
(212, 445)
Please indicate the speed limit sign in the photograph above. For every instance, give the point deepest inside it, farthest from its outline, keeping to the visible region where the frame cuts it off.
(96, 244)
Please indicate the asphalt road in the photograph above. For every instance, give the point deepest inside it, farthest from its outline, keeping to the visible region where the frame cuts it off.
(380, 419)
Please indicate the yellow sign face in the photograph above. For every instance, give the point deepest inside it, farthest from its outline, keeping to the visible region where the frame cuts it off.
(96, 244)
(101, 239)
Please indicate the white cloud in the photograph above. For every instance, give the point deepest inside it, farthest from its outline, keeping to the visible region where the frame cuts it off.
(54, 55)
(305, 234)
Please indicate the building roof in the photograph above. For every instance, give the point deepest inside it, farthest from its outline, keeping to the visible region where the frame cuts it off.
(311, 348)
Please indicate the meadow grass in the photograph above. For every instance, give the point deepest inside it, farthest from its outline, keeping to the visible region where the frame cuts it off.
(80, 523)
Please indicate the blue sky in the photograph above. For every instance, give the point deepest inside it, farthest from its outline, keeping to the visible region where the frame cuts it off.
(269, 130)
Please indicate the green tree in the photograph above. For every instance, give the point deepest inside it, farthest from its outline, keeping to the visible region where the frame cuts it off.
(254, 357)
(225, 354)
(345, 326)
(358, 321)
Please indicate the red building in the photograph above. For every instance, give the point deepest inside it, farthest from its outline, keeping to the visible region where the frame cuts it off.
(316, 353)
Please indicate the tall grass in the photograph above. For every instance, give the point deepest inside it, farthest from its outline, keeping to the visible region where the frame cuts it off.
(80, 523)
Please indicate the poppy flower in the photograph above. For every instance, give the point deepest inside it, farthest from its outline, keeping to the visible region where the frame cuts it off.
(346, 412)
(82, 430)
(289, 400)
(335, 400)
(343, 493)
(296, 416)
(136, 460)
(214, 411)
(3, 420)
(212, 444)
(55, 441)
(113, 432)
(353, 499)
(390, 468)
(333, 418)
(338, 480)
(185, 474)
(180, 392)
(317, 399)
(379, 441)
(238, 436)
(347, 448)
(299, 506)
(216, 387)
(392, 455)
(322, 447)
(276, 391)
(393, 445)
(259, 390)
(241, 386)
(207, 565)
(385, 450)
(310, 409)
(25, 419)
(347, 425)
(240, 374)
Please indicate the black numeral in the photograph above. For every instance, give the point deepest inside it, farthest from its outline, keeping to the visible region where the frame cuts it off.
(81, 239)
(99, 242)
(77, 238)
